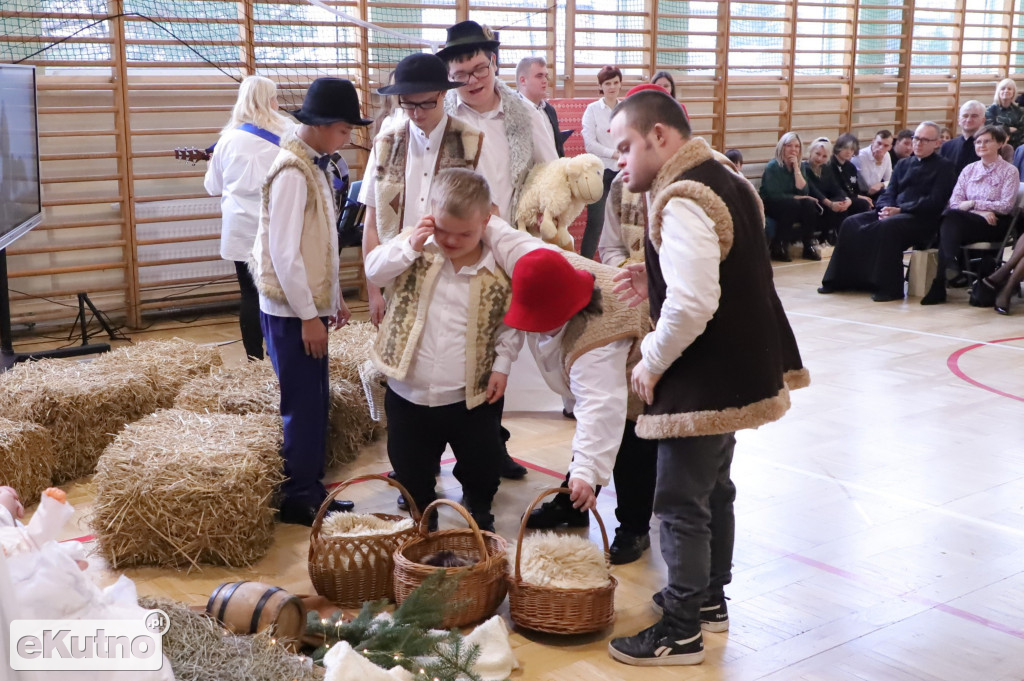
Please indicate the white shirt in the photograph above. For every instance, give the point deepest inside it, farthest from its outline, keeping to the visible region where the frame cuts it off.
(437, 375)
(610, 247)
(597, 379)
(236, 172)
(869, 172)
(597, 137)
(494, 156)
(690, 257)
(287, 205)
(396, 117)
(420, 162)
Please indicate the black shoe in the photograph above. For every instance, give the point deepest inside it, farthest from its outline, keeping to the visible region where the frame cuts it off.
(885, 297)
(825, 289)
(656, 646)
(780, 253)
(485, 521)
(510, 469)
(714, 615)
(936, 294)
(959, 281)
(552, 514)
(810, 253)
(340, 506)
(298, 513)
(628, 546)
(568, 414)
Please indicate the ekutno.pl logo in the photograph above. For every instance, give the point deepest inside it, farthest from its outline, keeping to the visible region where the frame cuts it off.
(100, 645)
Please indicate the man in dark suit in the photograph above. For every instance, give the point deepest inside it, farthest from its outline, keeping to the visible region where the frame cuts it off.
(960, 150)
(532, 81)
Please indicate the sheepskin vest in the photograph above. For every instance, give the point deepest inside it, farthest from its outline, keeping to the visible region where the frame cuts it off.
(631, 211)
(319, 242)
(395, 348)
(518, 132)
(616, 322)
(738, 372)
(460, 148)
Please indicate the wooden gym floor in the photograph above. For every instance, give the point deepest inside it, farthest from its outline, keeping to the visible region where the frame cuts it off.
(880, 524)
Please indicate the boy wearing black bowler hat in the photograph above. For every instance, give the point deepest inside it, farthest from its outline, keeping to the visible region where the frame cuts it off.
(295, 267)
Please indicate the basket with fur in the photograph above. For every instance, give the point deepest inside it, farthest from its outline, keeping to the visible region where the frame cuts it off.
(559, 610)
(354, 568)
(482, 584)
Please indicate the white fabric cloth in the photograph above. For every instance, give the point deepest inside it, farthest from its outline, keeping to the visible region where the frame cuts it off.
(421, 159)
(597, 136)
(610, 247)
(345, 664)
(869, 172)
(236, 172)
(496, 660)
(437, 375)
(287, 206)
(690, 259)
(597, 380)
(494, 156)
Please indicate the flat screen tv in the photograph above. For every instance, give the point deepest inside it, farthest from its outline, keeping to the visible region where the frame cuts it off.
(20, 195)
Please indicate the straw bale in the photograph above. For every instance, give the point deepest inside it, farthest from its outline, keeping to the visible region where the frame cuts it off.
(174, 362)
(26, 458)
(347, 348)
(350, 424)
(200, 650)
(82, 404)
(181, 488)
(250, 388)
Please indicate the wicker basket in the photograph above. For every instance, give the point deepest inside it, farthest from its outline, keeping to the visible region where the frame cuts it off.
(560, 611)
(372, 555)
(482, 586)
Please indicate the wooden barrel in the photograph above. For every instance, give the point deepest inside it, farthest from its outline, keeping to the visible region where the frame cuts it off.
(250, 607)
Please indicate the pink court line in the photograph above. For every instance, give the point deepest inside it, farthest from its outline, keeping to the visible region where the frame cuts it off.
(953, 363)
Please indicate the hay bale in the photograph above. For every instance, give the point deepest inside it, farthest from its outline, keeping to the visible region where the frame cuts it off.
(200, 650)
(350, 425)
(181, 488)
(347, 348)
(82, 404)
(251, 388)
(26, 458)
(174, 362)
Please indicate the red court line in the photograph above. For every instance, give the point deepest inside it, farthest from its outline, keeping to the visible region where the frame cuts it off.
(953, 363)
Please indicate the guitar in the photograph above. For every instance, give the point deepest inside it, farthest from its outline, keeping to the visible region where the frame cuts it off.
(192, 154)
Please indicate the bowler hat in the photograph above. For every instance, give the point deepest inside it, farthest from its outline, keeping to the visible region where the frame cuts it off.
(536, 275)
(330, 100)
(419, 72)
(467, 34)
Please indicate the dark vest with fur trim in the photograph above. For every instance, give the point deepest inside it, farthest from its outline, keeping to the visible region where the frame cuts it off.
(738, 372)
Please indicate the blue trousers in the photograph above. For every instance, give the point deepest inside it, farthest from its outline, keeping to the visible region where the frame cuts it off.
(305, 401)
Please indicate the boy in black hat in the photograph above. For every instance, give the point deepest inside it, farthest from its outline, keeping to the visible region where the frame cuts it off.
(295, 266)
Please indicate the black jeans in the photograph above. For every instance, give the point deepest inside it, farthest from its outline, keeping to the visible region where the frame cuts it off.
(595, 219)
(249, 313)
(961, 227)
(694, 502)
(788, 212)
(417, 436)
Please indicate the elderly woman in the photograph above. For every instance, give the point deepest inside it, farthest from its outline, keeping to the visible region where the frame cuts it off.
(787, 198)
(1007, 113)
(826, 187)
(979, 209)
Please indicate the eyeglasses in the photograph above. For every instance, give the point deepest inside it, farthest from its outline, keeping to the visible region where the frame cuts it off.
(479, 73)
(412, 106)
(924, 139)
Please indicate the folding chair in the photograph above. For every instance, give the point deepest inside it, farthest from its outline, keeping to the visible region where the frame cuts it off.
(975, 252)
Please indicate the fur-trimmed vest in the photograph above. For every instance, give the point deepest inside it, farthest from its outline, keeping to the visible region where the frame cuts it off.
(460, 148)
(739, 371)
(319, 243)
(396, 345)
(631, 210)
(518, 132)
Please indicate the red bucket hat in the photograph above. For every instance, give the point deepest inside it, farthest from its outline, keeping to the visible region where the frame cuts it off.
(547, 291)
(657, 88)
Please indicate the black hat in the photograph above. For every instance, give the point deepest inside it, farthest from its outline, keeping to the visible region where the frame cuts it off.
(466, 34)
(419, 72)
(330, 100)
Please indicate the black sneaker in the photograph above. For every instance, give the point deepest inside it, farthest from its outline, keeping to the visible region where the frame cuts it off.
(511, 469)
(714, 615)
(551, 514)
(656, 646)
(627, 546)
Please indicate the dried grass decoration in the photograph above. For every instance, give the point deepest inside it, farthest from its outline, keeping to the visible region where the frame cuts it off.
(174, 362)
(200, 650)
(82, 404)
(250, 388)
(351, 425)
(26, 458)
(181, 488)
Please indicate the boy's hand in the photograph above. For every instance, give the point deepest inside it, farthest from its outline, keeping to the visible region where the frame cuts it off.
(496, 386)
(421, 232)
(582, 495)
(378, 306)
(643, 382)
(632, 284)
(342, 316)
(314, 337)
(10, 500)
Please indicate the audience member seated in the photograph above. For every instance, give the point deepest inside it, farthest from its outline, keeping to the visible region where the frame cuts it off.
(945, 135)
(822, 170)
(1004, 283)
(979, 209)
(902, 146)
(787, 200)
(736, 156)
(665, 80)
(874, 166)
(1007, 113)
(960, 150)
(869, 254)
(1018, 161)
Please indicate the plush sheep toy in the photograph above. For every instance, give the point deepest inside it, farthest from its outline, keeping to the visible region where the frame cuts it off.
(557, 192)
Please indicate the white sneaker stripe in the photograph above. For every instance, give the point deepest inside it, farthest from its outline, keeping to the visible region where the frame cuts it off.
(683, 642)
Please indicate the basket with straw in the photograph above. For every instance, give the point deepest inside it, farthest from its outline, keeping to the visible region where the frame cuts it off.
(559, 610)
(352, 569)
(482, 584)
